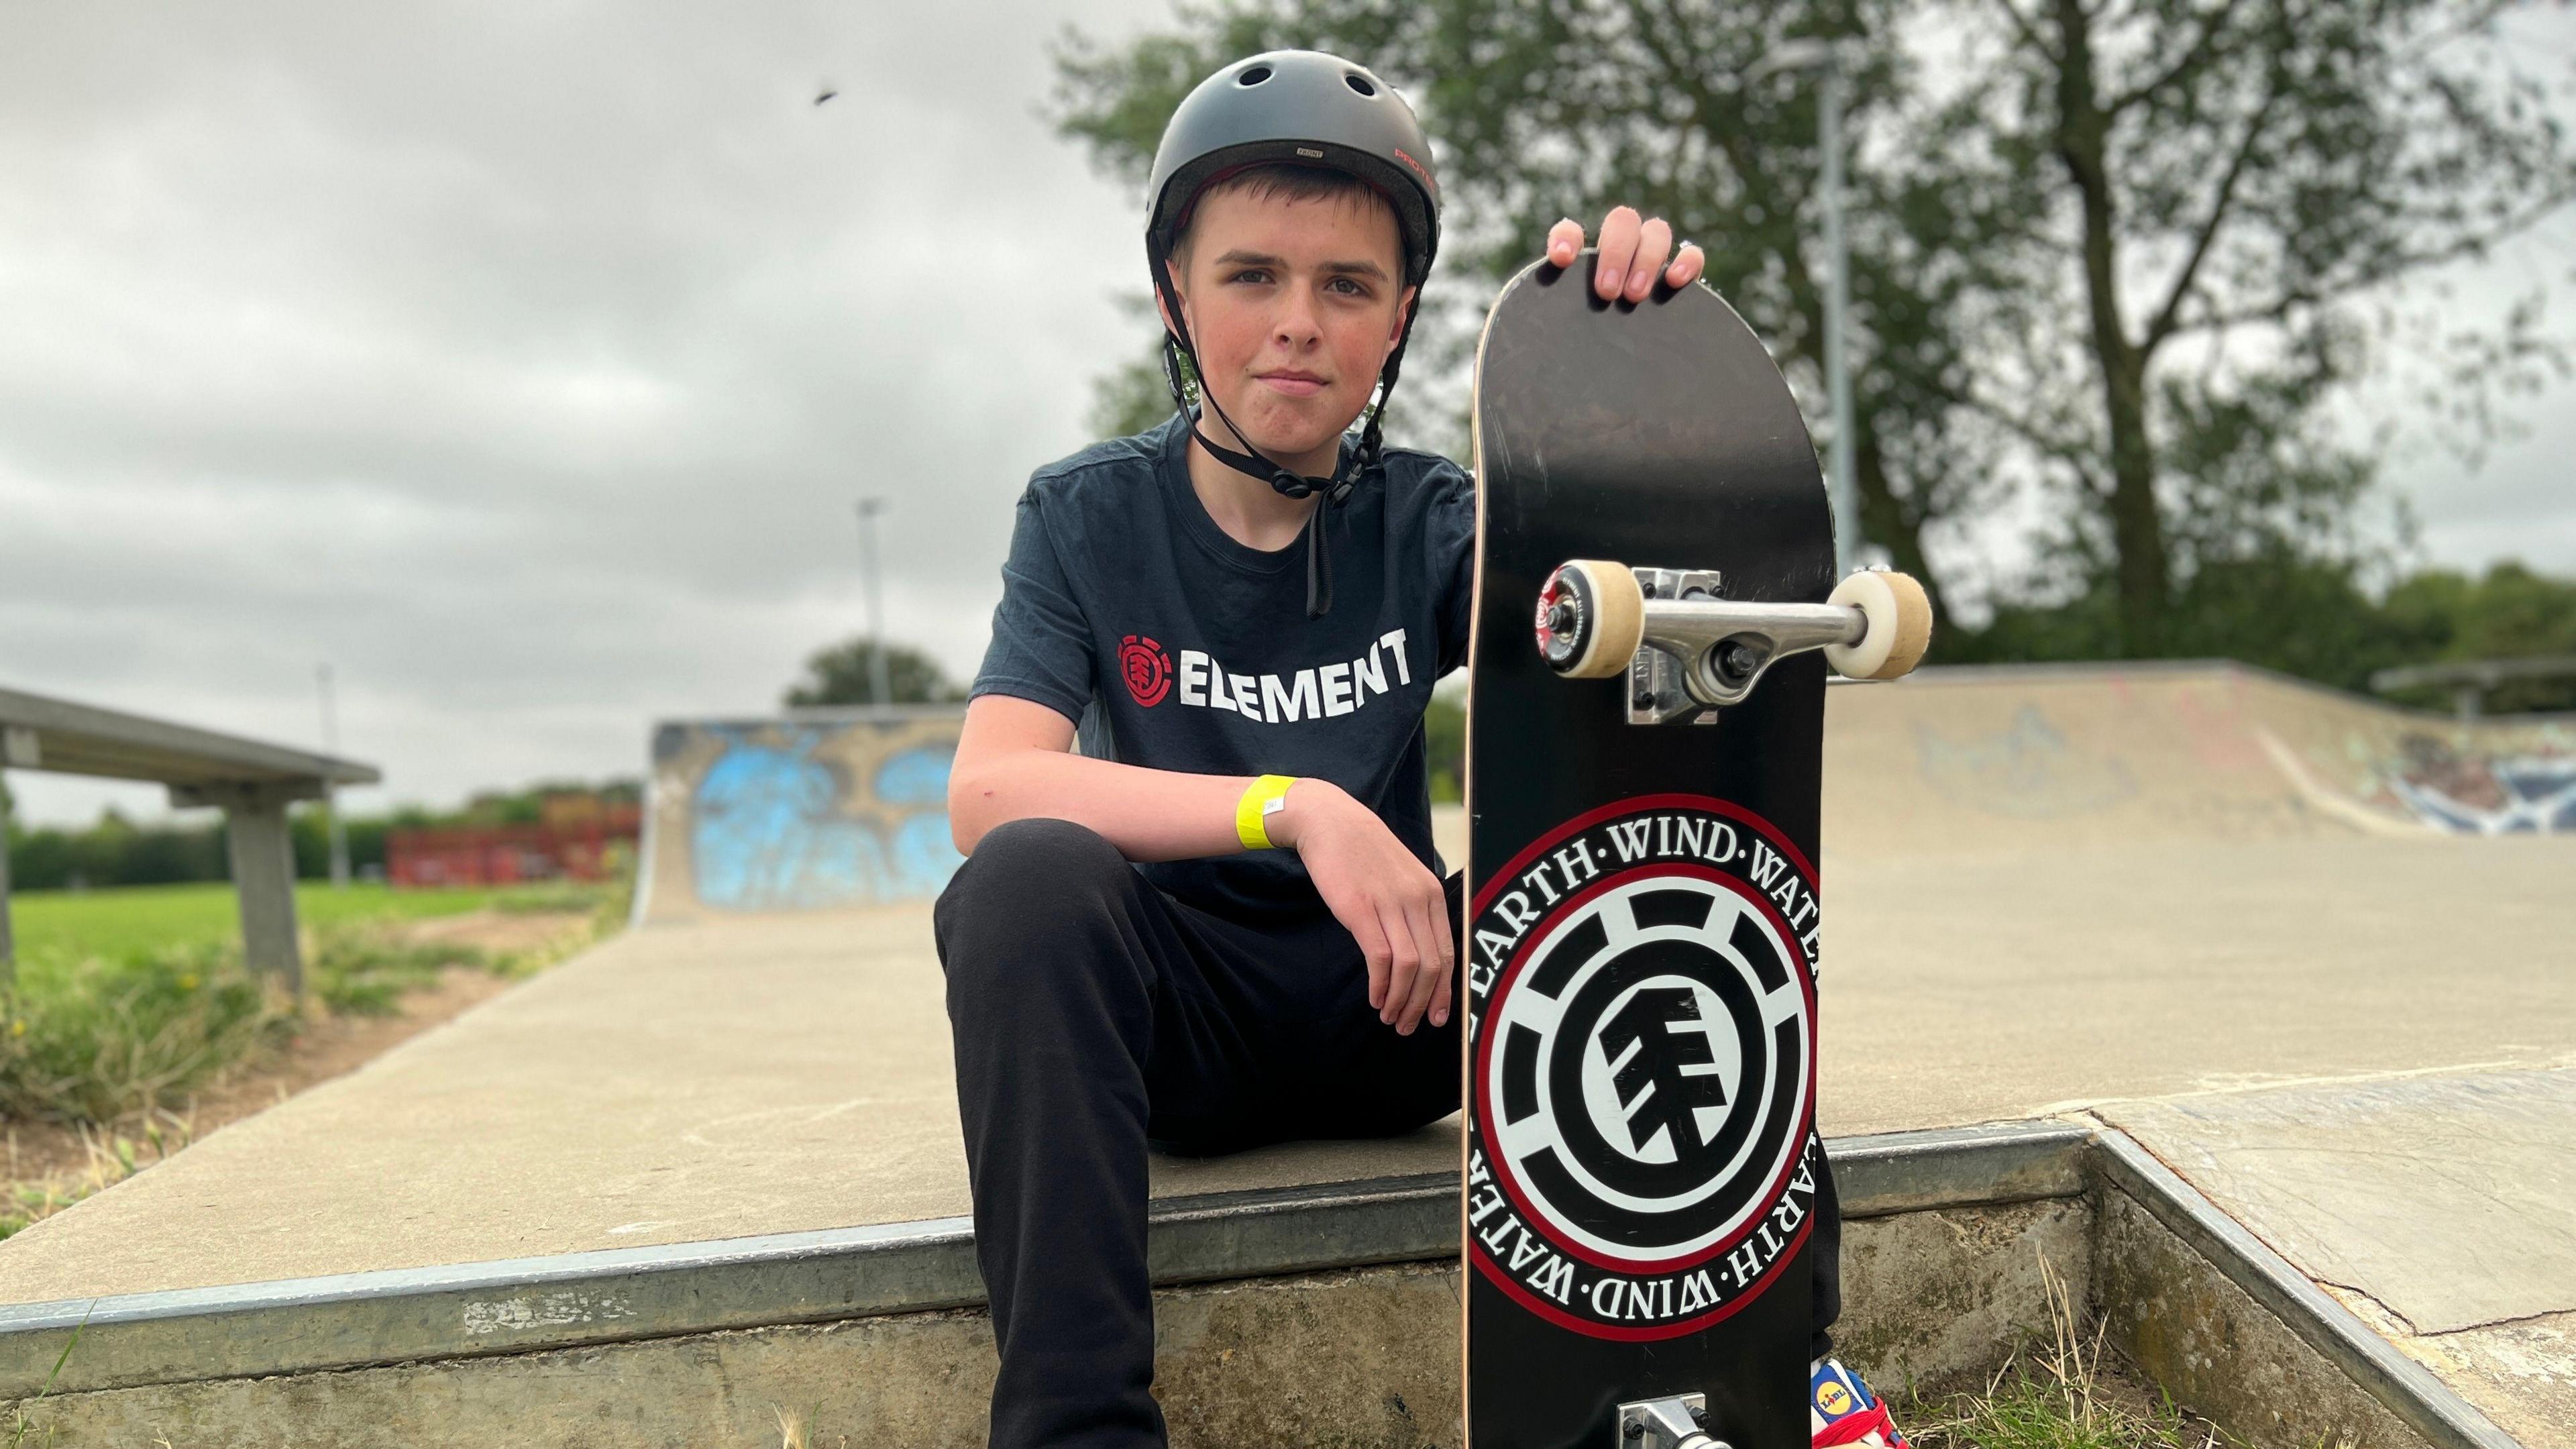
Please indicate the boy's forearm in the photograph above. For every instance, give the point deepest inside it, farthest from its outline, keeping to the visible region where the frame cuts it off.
(1147, 814)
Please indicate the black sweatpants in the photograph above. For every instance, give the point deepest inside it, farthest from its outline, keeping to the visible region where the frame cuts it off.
(1094, 1015)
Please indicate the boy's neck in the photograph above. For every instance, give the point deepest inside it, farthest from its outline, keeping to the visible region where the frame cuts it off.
(1248, 509)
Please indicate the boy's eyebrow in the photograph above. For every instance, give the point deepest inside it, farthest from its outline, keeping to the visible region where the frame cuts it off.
(1241, 258)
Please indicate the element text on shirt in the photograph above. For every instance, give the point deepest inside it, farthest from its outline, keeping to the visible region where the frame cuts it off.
(1318, 693)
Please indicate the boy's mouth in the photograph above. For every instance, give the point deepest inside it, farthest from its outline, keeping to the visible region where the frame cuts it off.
(1292, 382)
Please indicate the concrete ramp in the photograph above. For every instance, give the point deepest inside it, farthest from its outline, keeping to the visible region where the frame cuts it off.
(812, 810)
(832, 809)
(2043, 758)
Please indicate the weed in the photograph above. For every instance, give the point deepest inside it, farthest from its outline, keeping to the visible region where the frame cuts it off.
(18, 1411)
(366, 972)
(111, 1157)
(90, 1039)
(2050, 1396)
(791, 1429)
(561, 898)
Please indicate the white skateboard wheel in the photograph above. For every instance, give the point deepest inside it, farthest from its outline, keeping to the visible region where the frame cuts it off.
(1591, 618)
(1899, 616)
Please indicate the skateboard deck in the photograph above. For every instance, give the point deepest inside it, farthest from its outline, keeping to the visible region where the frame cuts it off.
(1640, 943)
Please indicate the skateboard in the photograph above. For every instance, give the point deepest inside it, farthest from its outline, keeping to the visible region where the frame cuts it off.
(1655, 609)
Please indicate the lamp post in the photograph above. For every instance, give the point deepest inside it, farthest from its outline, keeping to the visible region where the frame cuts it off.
(330, 789)
(1810, 53)
(880, 690)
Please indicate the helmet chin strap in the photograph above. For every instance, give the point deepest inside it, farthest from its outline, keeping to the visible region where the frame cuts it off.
(1353, 465)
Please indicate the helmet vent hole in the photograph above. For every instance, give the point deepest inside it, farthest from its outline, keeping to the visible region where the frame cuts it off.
(1254, 76)
(1359, 83)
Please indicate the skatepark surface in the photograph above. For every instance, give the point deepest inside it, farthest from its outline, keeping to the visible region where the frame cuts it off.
(2317, 955)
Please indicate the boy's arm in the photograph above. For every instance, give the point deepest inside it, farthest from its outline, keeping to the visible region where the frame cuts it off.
(1015, 761)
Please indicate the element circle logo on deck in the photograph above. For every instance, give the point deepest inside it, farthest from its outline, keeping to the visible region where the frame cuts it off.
(1642, 1155)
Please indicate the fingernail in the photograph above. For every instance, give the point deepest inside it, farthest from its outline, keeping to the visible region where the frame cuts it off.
(1609, 281)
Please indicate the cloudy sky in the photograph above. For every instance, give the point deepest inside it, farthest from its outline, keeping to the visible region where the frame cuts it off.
(522, 360)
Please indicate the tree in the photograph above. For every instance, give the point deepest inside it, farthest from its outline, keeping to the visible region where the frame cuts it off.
(1541, 109)
(2278, 167)
(2266, 174)
(2510, 613)
(839, 675)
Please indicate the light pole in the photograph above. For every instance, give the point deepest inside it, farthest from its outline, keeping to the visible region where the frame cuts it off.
(880, 691)
(330, 791)
(1809, 53)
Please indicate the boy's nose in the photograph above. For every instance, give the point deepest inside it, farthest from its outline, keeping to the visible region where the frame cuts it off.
(1296, 323)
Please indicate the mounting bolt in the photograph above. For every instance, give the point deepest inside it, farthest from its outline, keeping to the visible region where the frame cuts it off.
(1736, 660)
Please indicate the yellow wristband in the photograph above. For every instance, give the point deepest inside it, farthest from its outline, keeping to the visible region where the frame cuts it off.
(1267, 797)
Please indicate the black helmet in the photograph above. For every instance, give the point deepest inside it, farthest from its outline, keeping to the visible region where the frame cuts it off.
(1295, 108)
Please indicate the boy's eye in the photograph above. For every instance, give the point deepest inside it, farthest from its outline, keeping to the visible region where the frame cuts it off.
(1250, 274)
(1350, 287)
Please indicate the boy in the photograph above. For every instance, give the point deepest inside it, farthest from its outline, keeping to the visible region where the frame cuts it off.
(1219, 924)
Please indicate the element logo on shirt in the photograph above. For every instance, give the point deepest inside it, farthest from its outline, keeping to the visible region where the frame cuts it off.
(1146, 668)
(1641, 1157)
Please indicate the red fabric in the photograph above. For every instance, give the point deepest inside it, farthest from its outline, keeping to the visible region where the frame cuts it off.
(1853, 1428)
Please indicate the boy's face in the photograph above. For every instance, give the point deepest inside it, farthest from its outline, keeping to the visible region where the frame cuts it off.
(1293, 307)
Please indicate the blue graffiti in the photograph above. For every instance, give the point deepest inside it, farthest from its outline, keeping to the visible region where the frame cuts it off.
(2519, 795)
(916, 777)
(925, 855)
(773, 830)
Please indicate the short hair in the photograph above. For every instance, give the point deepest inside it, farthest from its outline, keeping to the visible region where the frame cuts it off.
(1288, 182)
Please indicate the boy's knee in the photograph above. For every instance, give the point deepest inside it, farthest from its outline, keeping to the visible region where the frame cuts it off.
(1047, 857)
(1027, 881)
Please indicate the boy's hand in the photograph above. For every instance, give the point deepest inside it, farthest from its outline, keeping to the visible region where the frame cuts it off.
(1632, 254)
(1385, 897)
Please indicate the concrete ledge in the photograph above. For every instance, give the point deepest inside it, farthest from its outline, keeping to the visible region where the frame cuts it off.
(2003, 1162)
(2161, 1335)
(515, 1305)
(519, 1305)
(1365, 1359)
(1942, 1262)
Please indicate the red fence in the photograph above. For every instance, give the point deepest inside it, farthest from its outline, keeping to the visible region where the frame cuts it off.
(583, 849)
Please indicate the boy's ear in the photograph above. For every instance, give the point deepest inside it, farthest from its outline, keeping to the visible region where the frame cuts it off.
(1172, 269)
(1403, 314)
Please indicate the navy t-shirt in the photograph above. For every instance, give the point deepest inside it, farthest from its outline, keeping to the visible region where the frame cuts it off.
(1126, 609)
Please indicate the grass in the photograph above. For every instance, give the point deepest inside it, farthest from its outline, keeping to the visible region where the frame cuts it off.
(2054, 1394)
(129, 1000)
(119, 921)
